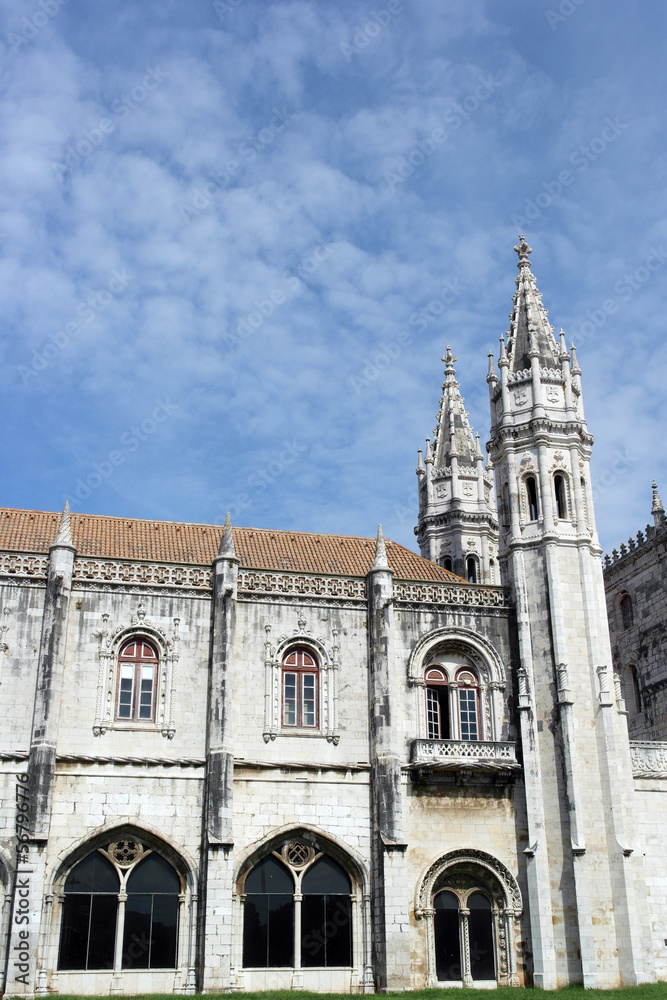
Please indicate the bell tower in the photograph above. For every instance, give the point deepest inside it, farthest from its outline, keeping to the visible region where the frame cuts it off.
(577, 770)
(458, 528)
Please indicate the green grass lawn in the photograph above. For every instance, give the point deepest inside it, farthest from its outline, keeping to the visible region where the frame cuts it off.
(657, 991)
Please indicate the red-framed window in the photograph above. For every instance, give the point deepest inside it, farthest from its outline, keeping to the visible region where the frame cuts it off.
(137, 676)
(437, 704)
(300, 689)
(468, 699)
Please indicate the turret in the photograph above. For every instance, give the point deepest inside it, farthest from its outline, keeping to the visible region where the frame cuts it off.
(457, 520)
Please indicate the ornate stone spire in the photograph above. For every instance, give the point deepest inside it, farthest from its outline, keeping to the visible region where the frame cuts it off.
(380, 551)
(530, 331)
(454, 436)
(64, 536)
(657, 509)
(227, 550)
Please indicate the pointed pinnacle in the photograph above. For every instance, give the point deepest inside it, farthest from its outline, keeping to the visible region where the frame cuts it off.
(420, 463)
(227, 549)
(429, 451)
(656, 505)
(64, 536)
(491, 376)
(380, 551)
(478, 450)
(503, 360)
(575, 369)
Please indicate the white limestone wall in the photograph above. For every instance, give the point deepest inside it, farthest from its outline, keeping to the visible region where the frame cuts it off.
(649, 806)
(21, 610)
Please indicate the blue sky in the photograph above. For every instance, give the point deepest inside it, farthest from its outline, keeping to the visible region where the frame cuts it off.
(237, 236)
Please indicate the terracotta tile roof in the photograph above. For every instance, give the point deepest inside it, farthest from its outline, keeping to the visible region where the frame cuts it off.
(197, 544)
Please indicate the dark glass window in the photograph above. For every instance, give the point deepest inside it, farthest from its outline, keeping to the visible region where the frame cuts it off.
(447, 937)
(559, 488)
(471, 569)
(90, 911)
(447, 563)
(480, 932)
(326, 916)
(531, 493)
(626, 611)
(268, 916)
(151, 915)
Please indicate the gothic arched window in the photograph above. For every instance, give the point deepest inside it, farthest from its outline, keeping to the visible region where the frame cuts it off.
(326, 915)
(300, 689)
(151, 915)
(447, 563)
(120, 916)
(297, 911)
(90, 913)
(472, 569)
(137, 676)
(268, 916)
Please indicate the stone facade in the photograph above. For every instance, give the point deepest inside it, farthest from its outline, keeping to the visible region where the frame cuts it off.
(636, 585)
(454, 756)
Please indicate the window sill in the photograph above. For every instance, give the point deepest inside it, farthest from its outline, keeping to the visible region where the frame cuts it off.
(130, 726)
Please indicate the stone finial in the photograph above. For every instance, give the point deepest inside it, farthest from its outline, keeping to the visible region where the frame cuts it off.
(64, 536)
(380, 551)
(227, 550)
(449, 360)
(657, 509)
(478, 449)
(491, 376)
(575, 369)
(523, 250)
(503, 360)
(420, 463)
(429, 451)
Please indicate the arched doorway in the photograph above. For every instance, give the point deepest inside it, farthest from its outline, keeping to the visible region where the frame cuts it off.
(469, 902)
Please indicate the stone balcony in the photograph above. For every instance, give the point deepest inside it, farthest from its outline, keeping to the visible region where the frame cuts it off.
(429, 756)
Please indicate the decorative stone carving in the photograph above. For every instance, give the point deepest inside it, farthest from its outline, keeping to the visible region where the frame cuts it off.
(427, 593)
(110, 640)
(297, 854)
(29, 566)
(147, 574)
(521, 397)
(125, 852)
(352, 589)
(649, 759)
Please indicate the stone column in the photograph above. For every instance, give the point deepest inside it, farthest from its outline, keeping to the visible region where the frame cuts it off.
(215, 928)
(391, 952)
